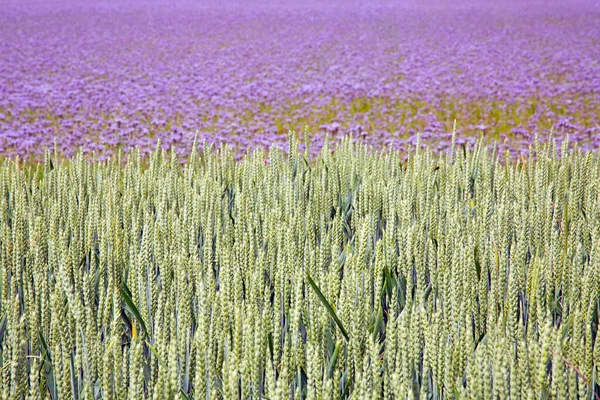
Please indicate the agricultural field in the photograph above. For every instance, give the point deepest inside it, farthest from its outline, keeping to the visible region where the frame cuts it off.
(361, 276)
(108, 74)
(300, 200)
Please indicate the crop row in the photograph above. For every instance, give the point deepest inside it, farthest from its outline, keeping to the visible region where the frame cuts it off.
(359, 275)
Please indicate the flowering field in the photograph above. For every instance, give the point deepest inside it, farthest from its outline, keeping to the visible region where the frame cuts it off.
(359, 277)
(110, 74)
(414, 241)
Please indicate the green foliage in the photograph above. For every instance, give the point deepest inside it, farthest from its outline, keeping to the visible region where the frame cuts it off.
(359, 275)
(328, 306)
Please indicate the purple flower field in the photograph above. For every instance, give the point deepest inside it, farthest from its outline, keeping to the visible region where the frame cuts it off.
(110, 74)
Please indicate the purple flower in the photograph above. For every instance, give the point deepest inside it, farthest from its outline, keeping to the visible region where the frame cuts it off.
(234, 73)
